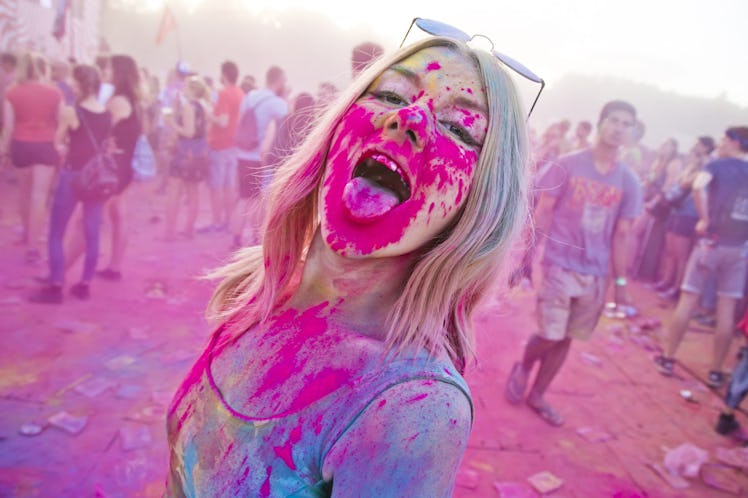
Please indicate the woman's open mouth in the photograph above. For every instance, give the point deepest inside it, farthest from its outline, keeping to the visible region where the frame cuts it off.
(378, 185)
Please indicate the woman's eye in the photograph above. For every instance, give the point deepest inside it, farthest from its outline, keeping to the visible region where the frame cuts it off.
(461, 133)
(390, 97)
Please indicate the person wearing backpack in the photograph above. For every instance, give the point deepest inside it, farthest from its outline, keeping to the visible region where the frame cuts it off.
(86, 125)
(720, 193)
(260, 115)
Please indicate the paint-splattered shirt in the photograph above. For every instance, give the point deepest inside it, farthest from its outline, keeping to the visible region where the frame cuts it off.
(588, 206)
(294, 417)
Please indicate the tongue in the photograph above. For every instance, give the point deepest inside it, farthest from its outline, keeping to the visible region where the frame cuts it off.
(365, 200)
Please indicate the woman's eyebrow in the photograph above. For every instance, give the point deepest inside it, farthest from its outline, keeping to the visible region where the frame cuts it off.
(469, 103)
(407, 73)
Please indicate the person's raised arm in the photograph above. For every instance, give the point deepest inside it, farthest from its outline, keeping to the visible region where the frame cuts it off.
(408, 442)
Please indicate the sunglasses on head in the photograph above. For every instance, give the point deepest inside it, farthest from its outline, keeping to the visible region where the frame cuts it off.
(438, 28)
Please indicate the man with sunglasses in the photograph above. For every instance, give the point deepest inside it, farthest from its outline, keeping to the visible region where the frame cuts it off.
(720, 193)
(587, 202)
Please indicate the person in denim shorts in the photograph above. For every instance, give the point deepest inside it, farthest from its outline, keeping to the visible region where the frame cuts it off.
(721, 197)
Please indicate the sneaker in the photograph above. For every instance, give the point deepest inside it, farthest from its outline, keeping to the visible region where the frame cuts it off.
(50, 294)
(726, 424)
(109, 274)
(716, 379)
(664, 365)
(81, 291)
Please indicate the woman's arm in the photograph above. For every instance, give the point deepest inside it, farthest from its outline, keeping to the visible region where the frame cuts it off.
(187, 128)
(8, 125)
(408, 442)
(66, 120)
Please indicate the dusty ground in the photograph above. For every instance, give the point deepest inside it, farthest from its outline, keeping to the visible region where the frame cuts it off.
(112, 364)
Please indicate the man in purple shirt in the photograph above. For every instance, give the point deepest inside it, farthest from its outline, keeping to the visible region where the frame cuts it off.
(586, 203)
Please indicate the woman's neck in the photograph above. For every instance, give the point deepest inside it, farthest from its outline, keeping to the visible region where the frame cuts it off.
(360, 292)
(91, 103)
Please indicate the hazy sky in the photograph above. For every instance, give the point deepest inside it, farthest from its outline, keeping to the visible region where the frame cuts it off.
(691, 47)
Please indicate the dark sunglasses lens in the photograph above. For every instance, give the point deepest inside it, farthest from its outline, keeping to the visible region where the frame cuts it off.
(437, 28)
(518, 66)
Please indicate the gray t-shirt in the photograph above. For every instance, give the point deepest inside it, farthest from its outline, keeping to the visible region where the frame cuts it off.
(588, 205)
(268, 107)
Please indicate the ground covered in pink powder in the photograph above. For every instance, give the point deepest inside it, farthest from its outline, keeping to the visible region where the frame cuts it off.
(84, 385)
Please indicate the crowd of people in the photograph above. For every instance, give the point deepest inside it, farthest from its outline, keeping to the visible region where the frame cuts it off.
(606, 208)
(676, 222)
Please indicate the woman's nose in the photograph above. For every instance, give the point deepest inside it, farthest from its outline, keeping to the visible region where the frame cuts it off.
(409, 123)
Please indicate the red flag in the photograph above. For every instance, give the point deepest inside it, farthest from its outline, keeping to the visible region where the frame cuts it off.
(167, 25)
(61, 15)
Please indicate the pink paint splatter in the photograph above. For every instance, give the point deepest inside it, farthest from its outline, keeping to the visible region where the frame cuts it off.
(265, 488)
(285, 452)
(438, 165)
(433, 66)
(243, 477)
(381, 404)
(417, 398)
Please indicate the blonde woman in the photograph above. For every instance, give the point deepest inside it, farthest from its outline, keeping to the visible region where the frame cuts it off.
(189, 165)
(336, 369)
(31, 112)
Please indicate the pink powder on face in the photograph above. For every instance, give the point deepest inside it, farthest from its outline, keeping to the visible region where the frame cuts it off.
(433, 66)
(437, 166)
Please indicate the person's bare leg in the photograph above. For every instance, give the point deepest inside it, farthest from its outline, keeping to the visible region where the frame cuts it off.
(667, 262)
(723, 331)
(215, 205)
(192, 205)
(550, 365)
(536, 349)
(41, 181)
(239, 220)
(681, 251)
(24, 201)
(229, 198)
(172, 208)
(119, 231)
(679, 321)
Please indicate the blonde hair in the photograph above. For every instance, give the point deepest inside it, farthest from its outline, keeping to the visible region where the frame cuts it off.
(31, 67)
(197, 86)
(450, 275)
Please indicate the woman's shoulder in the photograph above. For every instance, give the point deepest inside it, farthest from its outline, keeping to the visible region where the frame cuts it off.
(120, 107)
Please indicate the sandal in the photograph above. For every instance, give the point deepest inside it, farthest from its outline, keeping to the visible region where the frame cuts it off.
(716, 379)
(544, 410)
(516, 385)
(664, 365)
